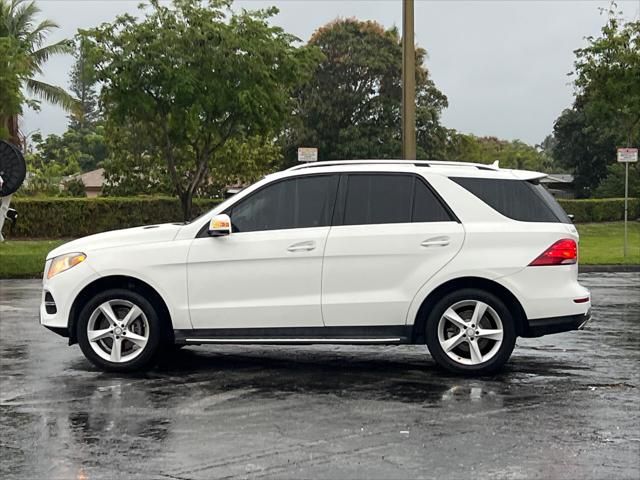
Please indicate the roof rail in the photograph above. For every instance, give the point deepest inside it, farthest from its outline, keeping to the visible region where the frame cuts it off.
(417, 163)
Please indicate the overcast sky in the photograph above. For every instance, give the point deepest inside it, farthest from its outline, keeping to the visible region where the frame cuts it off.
(502, 64)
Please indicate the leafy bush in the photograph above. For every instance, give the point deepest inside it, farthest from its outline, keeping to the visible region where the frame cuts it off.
(600, 209)
(77, 217)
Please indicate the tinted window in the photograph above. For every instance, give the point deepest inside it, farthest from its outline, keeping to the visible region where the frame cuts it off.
(426, 206)
(375, 199)
(516, 199)
(378, 199)
(295, 203)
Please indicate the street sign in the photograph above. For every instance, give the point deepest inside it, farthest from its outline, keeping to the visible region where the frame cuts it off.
(307, 154)
(627, 155)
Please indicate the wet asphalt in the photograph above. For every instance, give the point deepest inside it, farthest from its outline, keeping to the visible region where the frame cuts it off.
(566, 406)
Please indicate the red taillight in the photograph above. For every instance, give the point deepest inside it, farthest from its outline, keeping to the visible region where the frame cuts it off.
(563, 252)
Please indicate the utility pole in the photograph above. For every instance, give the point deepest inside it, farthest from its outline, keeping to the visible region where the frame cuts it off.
(408, 82)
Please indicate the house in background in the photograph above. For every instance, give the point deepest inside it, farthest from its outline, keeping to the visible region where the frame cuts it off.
(559, 184)
(93, 182)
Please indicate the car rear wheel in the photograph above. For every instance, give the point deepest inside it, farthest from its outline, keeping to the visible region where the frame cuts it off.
(120, 330)
(470, 332)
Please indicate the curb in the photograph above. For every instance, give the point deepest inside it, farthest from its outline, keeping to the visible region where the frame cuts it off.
(608, 268)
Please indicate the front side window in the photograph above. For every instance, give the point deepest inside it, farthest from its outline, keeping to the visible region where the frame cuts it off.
(380, 199)
(293, 203)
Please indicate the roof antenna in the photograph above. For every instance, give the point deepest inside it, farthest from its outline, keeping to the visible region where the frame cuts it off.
(496, 164)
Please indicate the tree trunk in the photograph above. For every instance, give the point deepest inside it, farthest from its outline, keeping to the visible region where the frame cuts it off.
(14, 131)
(186, 200)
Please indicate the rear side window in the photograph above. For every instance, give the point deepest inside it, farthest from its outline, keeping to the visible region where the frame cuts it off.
(373, 199)
(426, 206)
(380, 199)
(517, 199)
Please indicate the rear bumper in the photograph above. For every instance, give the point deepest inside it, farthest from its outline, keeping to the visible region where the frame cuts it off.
(546, 326)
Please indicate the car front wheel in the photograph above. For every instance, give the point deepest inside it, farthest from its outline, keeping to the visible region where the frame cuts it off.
(470, 332)
(120, 330)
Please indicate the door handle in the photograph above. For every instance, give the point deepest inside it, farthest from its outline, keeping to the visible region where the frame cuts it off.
(302, 247)
(436, 242)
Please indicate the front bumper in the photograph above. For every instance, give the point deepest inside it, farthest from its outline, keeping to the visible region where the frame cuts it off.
(546, 326)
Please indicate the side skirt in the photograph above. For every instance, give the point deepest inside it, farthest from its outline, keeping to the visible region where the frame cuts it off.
(361, 335)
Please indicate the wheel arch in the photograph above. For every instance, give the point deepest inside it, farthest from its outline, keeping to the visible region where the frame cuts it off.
(480, 283)
(115, 281)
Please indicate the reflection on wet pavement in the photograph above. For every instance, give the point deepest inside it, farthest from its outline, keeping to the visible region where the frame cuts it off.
(567, 406)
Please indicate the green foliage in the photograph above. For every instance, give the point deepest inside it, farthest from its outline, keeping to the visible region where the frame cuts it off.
(13, 66)
(601, 209)
(81, 148)
(26, 50)
(606, 110)
(83, 86)
(350, 108)
(613, 184)
(25, 259)
(187, 78)
(608, 77)
(509, 154)
(74, 188)
(77, 217)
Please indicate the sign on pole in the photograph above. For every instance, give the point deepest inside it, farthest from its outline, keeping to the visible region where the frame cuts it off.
(626, 156)
(307, 154)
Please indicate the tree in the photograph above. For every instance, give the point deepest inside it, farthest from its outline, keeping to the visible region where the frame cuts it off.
(583, 148)
(191, 77)
(351, 106)
(608, 77)
(510, 154)
(83, 86)
(23, 39)
(606, 109)
(613, 184)
(48, 166)
(13, 66)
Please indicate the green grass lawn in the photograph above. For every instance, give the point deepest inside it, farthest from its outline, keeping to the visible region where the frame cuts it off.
(600, 244)
(25, 258)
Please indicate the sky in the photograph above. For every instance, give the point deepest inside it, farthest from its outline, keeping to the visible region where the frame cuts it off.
(502, 64)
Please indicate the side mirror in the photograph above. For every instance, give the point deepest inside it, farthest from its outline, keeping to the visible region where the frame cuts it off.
(220, 226)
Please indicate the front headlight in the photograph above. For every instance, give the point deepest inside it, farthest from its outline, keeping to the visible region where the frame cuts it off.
(65, 262)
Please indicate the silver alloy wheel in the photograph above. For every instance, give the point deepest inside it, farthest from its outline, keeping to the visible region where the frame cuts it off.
(470, 332)
(118, 331)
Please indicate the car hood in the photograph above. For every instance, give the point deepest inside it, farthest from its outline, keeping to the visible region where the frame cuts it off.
(119, 238)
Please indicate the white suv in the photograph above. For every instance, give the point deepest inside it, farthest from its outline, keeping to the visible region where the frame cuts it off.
(463, 257)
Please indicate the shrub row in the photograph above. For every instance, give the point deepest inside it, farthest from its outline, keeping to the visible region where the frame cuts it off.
(601, 209)
(77, 217)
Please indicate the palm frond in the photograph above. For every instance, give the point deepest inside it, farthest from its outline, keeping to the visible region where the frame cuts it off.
(52, 94)
(41, 55)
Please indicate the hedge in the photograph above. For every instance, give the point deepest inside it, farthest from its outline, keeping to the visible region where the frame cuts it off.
(77, 217)
(600, 209)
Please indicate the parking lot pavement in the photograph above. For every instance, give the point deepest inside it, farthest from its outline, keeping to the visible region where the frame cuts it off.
(567, 406)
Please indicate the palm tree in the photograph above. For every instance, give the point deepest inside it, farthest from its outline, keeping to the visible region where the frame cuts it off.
(18, 24)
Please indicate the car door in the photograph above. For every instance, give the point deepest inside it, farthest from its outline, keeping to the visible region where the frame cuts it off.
(391, 234)
(267, 272)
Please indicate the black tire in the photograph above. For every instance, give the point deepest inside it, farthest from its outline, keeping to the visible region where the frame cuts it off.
(157, 332)
(502, 353)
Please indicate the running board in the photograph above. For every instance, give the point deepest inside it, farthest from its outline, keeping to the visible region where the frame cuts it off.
(364, 335)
